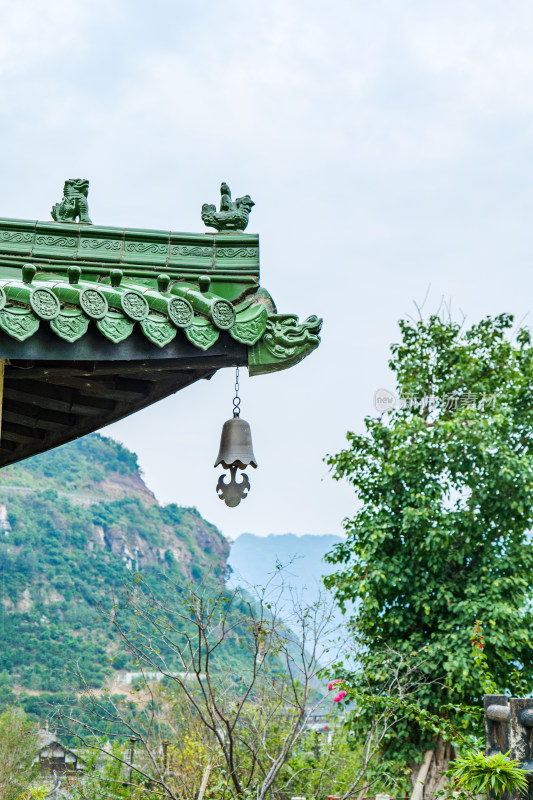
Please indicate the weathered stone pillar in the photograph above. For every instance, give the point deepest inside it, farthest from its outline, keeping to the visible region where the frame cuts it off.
(509, 729)
(497, 719)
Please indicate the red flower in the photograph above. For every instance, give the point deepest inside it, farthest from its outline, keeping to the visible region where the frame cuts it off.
(340, 696)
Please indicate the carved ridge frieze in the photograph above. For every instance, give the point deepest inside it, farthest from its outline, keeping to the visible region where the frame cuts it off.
(101, 244)
(236, 257)
(56, 241)
(190, 251)
(16, 237)
(141, 248)
(237, 252)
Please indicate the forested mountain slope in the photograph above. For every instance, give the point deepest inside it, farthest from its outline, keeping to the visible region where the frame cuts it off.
(75, 523)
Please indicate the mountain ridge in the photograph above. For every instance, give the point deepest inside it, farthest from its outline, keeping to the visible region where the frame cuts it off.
(254, 560)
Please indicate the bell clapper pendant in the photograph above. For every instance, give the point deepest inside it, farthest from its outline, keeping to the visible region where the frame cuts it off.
(232, 493)
(235, 453)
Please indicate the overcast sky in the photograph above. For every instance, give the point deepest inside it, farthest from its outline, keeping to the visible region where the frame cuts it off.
(387, 146)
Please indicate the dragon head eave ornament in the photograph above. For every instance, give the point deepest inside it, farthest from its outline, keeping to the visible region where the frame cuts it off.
(286, 342)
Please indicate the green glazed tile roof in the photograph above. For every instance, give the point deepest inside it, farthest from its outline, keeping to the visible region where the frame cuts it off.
(115, 307)
(75, 277)
(99, 322)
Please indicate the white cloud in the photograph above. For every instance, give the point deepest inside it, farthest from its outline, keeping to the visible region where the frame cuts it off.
(34, 32)
(396, 85)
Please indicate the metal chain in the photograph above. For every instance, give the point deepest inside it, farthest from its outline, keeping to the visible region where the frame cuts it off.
(236, 399)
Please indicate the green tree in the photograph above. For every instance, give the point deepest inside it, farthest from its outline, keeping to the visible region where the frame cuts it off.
(18, 751)
(7, 696)
(105, 778)
(445, 488)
